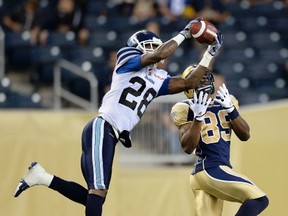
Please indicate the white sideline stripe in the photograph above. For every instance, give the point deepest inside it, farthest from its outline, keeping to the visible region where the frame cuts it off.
(203, 27)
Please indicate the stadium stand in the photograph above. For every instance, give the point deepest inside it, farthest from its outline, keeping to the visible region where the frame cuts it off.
(255, 50)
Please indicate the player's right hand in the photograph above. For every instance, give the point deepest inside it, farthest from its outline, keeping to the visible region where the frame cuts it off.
(214, 48)
(199, 105)
(186, 31)
(225, 98)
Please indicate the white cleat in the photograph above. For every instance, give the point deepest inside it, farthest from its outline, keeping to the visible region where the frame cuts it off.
(33, 177)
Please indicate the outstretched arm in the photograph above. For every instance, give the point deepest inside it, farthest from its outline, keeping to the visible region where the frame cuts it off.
(178, 84)
(167, 48)
(162, 52)
(239, 125)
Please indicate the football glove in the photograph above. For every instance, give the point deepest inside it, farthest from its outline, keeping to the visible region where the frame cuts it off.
(186, 31)
(225, 98)
(199, 105)
(125, 139)
(213, 49)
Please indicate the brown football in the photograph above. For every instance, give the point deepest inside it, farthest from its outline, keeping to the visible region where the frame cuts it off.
(204, 32)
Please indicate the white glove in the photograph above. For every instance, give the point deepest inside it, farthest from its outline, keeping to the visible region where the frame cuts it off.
(199, 105)
(213, 49)
(225, 99)
(186, 31)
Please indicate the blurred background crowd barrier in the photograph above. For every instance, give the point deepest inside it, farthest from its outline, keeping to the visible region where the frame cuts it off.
(37, 34)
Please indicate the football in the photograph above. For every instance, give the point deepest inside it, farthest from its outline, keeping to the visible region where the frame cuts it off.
(204, 32)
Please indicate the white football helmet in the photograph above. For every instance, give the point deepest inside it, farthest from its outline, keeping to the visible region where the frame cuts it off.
(144, 40)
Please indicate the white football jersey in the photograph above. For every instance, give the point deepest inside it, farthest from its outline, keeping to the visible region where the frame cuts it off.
(131, 90)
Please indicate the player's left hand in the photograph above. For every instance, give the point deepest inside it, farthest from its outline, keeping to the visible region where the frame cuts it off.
(199, 105)
(225, 98)
(125, 139)
(215, 47)
(186, 31)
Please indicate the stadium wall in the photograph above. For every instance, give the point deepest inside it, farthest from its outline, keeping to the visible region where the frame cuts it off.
(53, 139)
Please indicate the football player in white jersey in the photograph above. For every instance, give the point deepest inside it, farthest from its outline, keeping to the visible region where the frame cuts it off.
(205, 125)
(136, 82)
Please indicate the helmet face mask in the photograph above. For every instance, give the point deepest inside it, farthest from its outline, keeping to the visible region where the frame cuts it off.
(144, 40)
(206, 84)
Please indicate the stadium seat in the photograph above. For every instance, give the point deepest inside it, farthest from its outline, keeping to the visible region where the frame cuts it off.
(96, 7)
(236, 39)
(96, 55)
(274, 54)
(105, 38)
(123, 24)
(245, 54)
(263, 40)
(46, 54)
(95, 23)
(17, 48)
(271, 91)
(17, 39)
(263, 70)
(63, 40)
(12, 99)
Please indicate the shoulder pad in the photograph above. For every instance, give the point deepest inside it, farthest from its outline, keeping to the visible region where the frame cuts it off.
(179, 113)
(235, 102)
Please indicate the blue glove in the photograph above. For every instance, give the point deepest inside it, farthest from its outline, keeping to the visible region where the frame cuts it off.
(214, 48)
(186, 31)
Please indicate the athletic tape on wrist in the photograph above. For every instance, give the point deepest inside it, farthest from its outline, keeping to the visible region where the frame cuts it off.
(179, 39)
(205, 61)
(229, 110)
(199, 118)
(234, 114)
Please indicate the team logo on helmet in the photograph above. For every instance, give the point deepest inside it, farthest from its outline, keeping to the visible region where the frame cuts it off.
(144, 40)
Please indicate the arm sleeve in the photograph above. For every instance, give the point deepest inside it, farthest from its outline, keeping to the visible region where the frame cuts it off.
(180, 114)
(133, 64)
(164, 88)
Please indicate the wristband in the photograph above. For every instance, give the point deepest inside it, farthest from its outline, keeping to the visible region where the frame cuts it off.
(179, 39)
(234, 114)
(230, 109)
(199, 118)
(205, 61)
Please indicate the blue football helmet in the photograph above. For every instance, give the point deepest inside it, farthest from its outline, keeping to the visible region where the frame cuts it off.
(206, 84)
(144, 40)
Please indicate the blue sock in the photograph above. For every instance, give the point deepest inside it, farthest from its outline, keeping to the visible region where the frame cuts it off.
(94, 205)
(253, 207)
(71, 190)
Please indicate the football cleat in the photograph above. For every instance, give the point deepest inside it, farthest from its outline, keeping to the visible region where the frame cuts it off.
(32, 178)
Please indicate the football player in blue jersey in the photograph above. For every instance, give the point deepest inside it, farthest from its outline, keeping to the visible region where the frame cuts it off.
(136, 82)
(205, 124)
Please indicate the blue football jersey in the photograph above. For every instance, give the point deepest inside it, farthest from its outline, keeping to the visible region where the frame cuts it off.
(214, 145)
